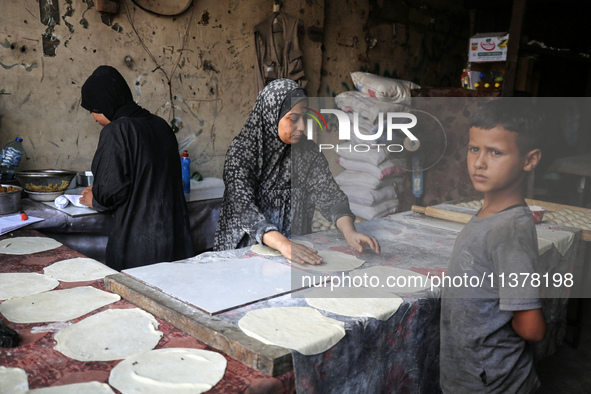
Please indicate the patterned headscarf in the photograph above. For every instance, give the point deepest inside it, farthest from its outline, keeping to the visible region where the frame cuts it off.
(259, 138)
(257, 174)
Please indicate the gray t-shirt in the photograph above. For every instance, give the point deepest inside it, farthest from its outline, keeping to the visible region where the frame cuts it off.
(480, 351)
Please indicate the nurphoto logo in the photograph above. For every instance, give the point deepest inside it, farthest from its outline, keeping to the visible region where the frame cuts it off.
(391, 123)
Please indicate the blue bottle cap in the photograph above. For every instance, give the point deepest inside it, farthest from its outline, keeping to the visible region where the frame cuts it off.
(19, 139)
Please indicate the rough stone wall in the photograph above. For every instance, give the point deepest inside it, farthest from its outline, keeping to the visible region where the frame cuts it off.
(197, 67)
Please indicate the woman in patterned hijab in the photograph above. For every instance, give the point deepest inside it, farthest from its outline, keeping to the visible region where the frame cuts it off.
(273, 180)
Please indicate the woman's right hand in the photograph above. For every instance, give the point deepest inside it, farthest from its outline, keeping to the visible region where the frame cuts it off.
(303, 255)
(290, 250)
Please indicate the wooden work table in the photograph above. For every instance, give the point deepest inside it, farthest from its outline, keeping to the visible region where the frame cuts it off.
(401, 352)
(47, 367)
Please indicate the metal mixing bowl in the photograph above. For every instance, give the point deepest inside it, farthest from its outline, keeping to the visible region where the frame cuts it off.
(45, 181)
(44, 196)
(85, 178)
(10, 201)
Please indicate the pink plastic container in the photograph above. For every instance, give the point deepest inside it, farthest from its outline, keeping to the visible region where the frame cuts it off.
(538, 212)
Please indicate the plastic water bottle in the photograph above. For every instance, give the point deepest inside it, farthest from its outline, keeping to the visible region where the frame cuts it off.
(186, 171)
(10, 158)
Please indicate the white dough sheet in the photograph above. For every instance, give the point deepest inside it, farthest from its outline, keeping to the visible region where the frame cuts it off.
(354, 301)
(170, 370)
(299, 328)
(27, 245)
(116, 334)
(21, 284)
(79, 269)
(218, 285)
(56, 305)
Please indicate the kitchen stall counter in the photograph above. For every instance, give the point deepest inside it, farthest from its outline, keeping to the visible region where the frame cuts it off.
(88, 234)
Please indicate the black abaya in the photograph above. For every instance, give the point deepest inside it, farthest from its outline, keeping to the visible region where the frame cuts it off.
(137, 176)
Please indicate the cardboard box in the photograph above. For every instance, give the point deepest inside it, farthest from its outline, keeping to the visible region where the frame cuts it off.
(488, 47)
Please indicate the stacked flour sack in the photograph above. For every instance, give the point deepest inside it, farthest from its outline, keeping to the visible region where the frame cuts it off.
(372, 178)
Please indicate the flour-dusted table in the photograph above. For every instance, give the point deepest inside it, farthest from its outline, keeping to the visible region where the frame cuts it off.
(47, 367)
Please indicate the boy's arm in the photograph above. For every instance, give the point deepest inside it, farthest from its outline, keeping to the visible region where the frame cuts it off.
(529, 325)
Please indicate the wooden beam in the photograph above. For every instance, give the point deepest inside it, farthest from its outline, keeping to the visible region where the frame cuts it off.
(517, 16)
(213, 331)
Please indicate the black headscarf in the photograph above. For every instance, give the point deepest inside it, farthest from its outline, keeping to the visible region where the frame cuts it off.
(106, 92)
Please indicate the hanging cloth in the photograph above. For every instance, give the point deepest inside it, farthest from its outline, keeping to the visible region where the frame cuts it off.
(270, 61)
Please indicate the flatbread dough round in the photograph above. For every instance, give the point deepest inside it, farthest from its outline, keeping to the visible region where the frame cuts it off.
(395, 280)
(21, 284)
(79, 269)
(14, 380)
(300, 328)
(113, 334)
(265, 250)
(268, 251)
(305, 243)
(332, 261)
(355, 301)
(27, 245)
(171, 370)
(76, 388)
(56, 305)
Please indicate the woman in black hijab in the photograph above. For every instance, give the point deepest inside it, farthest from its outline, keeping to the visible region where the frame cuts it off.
(137, 177)
(273, 181)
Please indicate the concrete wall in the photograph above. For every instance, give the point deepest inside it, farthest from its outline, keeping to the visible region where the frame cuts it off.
(197, 67)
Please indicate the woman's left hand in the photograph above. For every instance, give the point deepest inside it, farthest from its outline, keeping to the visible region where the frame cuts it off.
(356, 240)
(86, 198)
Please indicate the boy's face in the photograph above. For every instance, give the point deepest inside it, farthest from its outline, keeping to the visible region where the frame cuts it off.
(494, 162)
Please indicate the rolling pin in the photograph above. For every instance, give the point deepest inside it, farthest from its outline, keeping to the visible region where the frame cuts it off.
(444, 214)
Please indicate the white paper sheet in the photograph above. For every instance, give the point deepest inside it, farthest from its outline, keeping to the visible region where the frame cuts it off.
(12, 222)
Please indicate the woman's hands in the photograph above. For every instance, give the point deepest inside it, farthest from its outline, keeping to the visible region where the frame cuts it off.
(291, 250)
(303, 255)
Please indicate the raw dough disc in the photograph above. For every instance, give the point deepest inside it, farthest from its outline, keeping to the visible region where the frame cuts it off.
(14, 380)
(76, 388)
(268, 251)
(395, 280)
(78, 270)
(27, 245)
(332, 261)
(265, 250)
(171, 370)
(113, 334)
(305, 243)
(21, 284)
(56, 305)
(300, 328)
(355, 301)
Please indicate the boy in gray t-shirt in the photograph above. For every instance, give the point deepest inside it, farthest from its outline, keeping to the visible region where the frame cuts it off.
(484, 330)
